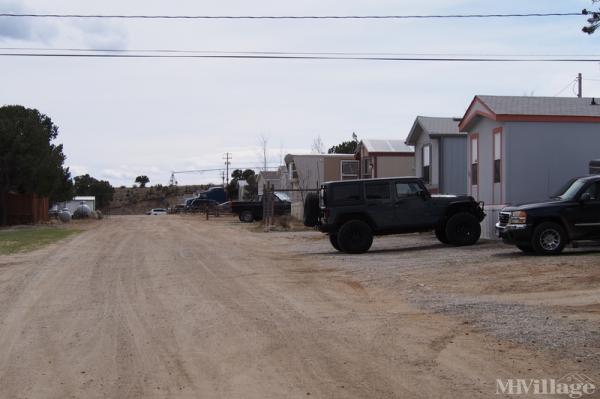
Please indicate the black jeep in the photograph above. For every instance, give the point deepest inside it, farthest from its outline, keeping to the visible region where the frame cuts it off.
(352, 212)
(572, 215)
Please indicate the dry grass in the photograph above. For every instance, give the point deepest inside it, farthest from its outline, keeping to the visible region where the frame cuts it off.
(28, 239)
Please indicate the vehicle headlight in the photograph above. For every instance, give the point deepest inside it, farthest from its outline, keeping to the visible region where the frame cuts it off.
(518, 217)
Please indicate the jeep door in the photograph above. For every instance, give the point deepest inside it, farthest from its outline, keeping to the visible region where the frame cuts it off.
(584, 215)
(414, 210)
(380, 204)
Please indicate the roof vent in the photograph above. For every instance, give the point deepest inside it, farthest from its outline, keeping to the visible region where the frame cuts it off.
(594, 101)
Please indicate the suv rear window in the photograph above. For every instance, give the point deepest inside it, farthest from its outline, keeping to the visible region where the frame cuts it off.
(341, 193)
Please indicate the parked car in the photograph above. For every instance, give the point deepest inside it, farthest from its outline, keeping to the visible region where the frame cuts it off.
(157, 211)
(545, 228)
(353, 212)
(249, 211)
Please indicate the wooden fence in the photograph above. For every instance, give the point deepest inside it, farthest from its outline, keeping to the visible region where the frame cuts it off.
(26, 209)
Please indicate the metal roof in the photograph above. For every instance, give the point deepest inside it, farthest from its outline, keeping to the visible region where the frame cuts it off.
(439, 125)
(269, 175)
(386, 146)
(433, 126)
(554, 106)
(290, 157)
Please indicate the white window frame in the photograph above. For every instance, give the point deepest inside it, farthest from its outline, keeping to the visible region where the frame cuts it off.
(348, 176)
(367, 165)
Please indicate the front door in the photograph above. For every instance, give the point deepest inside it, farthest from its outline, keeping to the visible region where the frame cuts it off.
(584, 216)
(412, 208)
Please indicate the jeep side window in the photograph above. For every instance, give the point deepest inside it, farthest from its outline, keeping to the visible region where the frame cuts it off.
(377, 191)
(345, 193)
(594, 191)
(407, 189)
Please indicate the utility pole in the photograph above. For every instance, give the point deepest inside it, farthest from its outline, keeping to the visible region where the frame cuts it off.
(223, 177)
(227, 159)
(579, 85)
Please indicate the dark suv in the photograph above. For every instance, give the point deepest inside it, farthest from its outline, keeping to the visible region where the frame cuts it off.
(547, 227)
(352, 212)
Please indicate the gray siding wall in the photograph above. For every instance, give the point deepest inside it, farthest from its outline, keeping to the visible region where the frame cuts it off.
(542, 156)
(424, 140)
(453, 162)
(485, 190)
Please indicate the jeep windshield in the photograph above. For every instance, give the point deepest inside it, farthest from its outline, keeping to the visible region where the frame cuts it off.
(569, 190)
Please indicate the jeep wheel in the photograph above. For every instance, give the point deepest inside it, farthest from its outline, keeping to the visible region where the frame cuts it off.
(440, 233)
(246, 217)
(463, 229)
(549, 239)
(333, 239)
(355, 237)
(311, 210)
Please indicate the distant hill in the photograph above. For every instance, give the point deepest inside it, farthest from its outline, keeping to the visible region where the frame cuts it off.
(137, 200)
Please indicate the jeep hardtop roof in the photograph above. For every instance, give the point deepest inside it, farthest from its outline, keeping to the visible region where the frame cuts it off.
(401, 178)
(588, 178)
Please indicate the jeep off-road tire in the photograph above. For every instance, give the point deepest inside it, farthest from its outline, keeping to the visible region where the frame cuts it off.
(549, 238)
(333, 239)
(246, 217)
(440, 234)
(463, 229)
(355, 237)
(311, 210)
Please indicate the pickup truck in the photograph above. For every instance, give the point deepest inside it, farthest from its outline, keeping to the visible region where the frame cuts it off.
(353, 212)
(249, 211)
(571, 216)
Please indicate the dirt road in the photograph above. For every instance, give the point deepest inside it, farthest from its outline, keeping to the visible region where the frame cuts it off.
(157, 307)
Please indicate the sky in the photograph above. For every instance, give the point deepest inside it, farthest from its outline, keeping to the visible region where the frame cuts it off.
(120, 118)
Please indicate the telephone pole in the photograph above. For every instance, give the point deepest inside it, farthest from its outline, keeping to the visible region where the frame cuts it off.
(227, 159)
(579, 85)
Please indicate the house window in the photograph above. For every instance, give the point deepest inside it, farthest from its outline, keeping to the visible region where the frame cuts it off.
(474, 161)
(497, 157)
(293, 171)
(426, 164)
(349, 170)
(367, 168)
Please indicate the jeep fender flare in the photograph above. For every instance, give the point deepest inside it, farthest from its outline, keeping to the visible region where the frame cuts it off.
(463, 206)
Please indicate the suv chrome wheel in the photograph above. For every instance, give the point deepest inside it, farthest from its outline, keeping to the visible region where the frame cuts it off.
(550, 239)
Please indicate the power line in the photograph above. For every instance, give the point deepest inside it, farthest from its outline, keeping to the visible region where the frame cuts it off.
(328, 53)
(566, 87)
(298, 57)
(119, 16)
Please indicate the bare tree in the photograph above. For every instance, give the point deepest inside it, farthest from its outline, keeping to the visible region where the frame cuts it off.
(317, 146)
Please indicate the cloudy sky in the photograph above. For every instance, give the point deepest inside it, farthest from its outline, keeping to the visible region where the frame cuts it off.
(119, 118)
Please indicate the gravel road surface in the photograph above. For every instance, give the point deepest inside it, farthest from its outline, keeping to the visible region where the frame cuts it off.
(180, 307)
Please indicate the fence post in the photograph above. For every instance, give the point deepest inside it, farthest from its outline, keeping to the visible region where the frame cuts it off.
(268, 203)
